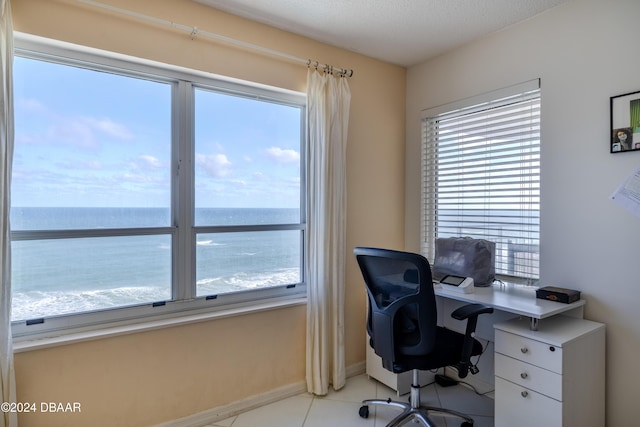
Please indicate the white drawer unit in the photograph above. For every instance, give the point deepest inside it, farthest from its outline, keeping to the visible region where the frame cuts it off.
(552, 377)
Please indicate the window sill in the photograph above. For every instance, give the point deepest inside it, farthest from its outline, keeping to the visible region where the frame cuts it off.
(30, 343)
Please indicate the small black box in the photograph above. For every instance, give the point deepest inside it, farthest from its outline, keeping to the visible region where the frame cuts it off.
(552, 293)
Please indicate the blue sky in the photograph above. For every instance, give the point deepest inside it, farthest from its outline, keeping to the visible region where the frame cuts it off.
(93, 139)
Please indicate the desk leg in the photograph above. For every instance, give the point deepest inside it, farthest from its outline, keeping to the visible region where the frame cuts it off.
(533, 323)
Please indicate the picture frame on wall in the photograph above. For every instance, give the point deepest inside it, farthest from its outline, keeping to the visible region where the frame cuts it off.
(625, 123)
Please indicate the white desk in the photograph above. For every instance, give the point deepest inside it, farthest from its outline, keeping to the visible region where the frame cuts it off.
(509, 301)
(517, 300)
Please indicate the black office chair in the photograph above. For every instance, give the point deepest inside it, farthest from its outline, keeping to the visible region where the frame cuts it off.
(403, 330)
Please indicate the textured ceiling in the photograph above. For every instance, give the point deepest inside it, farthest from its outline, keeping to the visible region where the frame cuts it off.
(403, 32)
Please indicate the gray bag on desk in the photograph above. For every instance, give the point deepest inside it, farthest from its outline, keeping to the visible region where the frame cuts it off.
(464, 256)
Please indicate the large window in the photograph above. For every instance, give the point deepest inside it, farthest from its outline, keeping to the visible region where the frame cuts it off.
(481, 176)
(139, 189)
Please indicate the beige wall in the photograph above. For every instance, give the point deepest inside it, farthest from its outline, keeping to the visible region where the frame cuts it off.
(147, 378)
(584, 52)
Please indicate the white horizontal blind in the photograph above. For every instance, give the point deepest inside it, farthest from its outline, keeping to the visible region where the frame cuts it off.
(481, 178)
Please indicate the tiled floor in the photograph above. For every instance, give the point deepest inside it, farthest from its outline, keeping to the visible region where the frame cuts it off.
(340, 409)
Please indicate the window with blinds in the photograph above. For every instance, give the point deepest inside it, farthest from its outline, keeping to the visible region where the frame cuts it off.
(481, 176)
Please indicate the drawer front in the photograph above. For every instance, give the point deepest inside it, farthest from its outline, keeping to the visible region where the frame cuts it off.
(530, 351)
(517, 406)
(530, 376)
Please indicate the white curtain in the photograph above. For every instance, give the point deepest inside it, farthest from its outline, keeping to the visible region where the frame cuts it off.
(328, 100)
(7, 377)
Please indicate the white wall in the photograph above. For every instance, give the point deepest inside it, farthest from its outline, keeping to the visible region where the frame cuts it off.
(584, 51)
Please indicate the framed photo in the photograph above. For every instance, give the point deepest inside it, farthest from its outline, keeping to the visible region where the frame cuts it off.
(625, 123)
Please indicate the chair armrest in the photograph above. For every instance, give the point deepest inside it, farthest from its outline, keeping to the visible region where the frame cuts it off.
(470, 312)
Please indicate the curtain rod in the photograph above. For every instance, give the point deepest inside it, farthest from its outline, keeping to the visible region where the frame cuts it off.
(195, 31)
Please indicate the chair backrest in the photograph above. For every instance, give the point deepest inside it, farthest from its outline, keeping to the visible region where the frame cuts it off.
(402, 317)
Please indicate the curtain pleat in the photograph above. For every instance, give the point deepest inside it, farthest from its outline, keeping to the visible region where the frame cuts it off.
(328, 101)
(7, 375)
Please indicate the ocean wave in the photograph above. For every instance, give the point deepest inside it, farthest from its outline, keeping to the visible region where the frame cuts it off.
(208, 243)
(244, 281)
(34, 304)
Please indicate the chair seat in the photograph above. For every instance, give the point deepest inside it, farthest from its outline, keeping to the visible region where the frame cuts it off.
(446, 352)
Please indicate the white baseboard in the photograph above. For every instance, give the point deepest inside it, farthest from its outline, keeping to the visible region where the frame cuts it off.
(356, 369)
(234, 408)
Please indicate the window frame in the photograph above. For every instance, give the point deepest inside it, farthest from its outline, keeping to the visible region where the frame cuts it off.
(429, 178)
(182, 230)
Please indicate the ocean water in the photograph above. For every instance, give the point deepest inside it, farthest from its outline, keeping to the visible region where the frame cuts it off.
(62, 276)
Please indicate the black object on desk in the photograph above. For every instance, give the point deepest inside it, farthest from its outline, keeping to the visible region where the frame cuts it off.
(553, 293)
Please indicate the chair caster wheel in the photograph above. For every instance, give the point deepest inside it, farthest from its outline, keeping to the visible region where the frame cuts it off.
(466, 424)
(364, 411)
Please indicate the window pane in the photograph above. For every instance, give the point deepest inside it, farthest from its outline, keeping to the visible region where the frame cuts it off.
(92, 151)
(90, 139)
(61, 276)
(247, 155)
(232, 262)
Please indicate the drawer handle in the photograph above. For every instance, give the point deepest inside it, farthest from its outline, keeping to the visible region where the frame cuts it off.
(524, 350)
(524, 393)
(524, 375)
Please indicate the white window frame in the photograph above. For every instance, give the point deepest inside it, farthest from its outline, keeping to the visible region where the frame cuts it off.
(450, 154)
(184, 301)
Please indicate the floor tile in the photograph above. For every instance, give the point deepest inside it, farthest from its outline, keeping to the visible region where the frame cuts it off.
(335, 413)
(224, 423)
(341, 408)
(290, 412)
(355, 390)
(464, 399)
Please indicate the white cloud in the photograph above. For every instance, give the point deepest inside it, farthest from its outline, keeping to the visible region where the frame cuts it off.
(260, 176)
(72, 164)
(216, 165)
(108, 126)
(31, 105)
(79, 131)
(283, 155)
(138, 178)
(86, 131)
(72, 133)
(150, 161)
